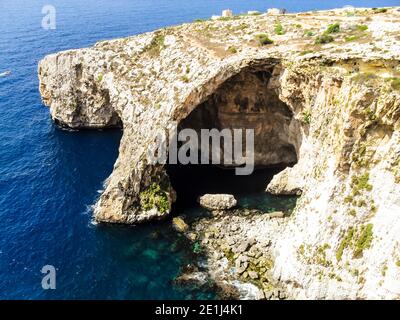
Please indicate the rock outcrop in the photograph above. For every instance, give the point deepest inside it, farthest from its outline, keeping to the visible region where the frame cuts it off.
(333, 95)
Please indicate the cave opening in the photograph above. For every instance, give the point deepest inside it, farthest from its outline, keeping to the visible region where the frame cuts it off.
(247, 100)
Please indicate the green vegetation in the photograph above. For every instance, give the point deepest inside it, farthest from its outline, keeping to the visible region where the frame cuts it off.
(359, 183)
(199, 20)
(398, 263)
(196, 247)
(185, 79)
(279, 29)
(232, 50)
(263, 39)
(100, 77)
(332, 28)
(156, 45)
(379, 10)
(326, 36)
(320, 257)
(307, 116)
(301, 250)
(154, 197)
(353, 212)
(303, 53)
(351, 38)
(362, 27)
(346, 242)
(364, 240)
(394, 83)
(323, 39)
(384, 270)
(309, 33)
(364, 77)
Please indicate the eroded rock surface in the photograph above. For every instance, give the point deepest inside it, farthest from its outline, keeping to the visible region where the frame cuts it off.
(336, 106)
(217, 201)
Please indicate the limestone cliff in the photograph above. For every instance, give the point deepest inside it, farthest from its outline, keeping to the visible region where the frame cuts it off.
(324, 94)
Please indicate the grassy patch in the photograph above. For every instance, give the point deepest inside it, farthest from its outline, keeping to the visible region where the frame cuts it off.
(379, 10)
(364, 240)
(156, 45)
(307, 116)
(323, 39)
(351, 38)
(232, 50)
(279, 29)
(185, 79)
(263, 39)
(346, 242)
(394, 83)
(309, 33)
(364, 77)
(303, 53)
(362, 27)
(332, 28)
(359, 183)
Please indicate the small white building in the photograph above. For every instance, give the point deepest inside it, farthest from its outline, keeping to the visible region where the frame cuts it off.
(274, 11)
(254, 12)
(214, 17)
(227, 13)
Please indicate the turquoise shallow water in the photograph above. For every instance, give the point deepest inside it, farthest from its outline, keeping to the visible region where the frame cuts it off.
(49, 178)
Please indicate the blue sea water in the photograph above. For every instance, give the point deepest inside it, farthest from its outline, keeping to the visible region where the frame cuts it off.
(49, 178)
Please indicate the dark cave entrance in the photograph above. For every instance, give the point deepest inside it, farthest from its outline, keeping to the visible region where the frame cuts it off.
(248, 100)
(192, 181)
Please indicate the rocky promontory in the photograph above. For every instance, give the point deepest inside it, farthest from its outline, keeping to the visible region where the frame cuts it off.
(321, 90)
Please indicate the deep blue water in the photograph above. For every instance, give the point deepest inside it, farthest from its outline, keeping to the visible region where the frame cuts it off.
(49, 178)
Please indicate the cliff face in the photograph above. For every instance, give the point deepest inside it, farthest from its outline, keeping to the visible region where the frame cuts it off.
(334, 108)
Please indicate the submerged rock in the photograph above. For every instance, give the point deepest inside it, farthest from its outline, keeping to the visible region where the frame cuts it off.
(179, 224)
(218, 201)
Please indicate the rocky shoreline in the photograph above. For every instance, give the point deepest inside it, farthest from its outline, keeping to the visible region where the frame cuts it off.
(237, 245)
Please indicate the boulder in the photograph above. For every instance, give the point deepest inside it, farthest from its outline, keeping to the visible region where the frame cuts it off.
(277, 214)
(218, 201)
(179, 224)
(286, 182)
(253, 275)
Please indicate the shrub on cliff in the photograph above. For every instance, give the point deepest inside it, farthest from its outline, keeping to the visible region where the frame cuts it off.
(333, 28)
(154, 197)
(279, 29)
(325, 38)
(263, 39)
